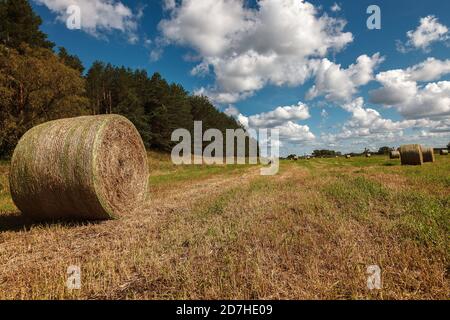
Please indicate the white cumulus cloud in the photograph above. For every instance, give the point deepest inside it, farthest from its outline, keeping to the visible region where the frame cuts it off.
(336, 7)
(404, 90)
(98, 16)
(281, 118)
(249, 48)
(429, 70)
(430, 30)
(366, 125)
(340, 84)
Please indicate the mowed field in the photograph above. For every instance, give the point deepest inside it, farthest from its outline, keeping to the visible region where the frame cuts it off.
(225, 232)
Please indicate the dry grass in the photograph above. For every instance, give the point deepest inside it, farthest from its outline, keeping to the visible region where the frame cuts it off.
(226, 232)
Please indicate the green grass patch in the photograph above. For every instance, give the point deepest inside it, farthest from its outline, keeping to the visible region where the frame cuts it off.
(356, 195)
(430, 173)
(194, 172)
(218, 205)
(263, 184)
(425, 218)
(341, 162)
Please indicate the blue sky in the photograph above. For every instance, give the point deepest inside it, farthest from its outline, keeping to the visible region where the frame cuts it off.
(261, 55)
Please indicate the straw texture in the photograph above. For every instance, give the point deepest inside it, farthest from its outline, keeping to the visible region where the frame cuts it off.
(91, 168)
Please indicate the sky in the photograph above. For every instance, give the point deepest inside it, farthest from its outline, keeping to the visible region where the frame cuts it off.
(311, 69)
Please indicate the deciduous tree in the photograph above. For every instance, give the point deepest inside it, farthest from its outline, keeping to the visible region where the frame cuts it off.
(35, 86)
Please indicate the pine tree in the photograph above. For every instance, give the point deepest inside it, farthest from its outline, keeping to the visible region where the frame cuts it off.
(93, 85)
(19, 24)
(154, 106)
(69, 60)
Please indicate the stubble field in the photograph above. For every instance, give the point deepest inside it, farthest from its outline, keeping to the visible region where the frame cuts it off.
(225, 232)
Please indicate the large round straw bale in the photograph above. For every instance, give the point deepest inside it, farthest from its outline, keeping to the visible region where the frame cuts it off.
(444, 152)
(91, 168)
(411, 154)
(348, 156)
(394, 155)
(428, 154)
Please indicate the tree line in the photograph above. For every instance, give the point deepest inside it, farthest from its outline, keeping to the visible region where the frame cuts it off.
(39, 83)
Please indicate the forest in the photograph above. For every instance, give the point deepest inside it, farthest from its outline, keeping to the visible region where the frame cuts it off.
(40, 82)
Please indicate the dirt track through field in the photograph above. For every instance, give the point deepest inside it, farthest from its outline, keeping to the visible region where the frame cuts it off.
(27, 251)
(307, 233)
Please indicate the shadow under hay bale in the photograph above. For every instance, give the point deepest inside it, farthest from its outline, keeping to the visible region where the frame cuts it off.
(17, 222)
(394, 155)
(85, 168)
(411, 155)
(428, 154)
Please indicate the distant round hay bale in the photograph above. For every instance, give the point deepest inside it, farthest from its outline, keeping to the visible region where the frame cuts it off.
(348, 156)
(411, 155)
(89, 168)
(428, 154)
(444, 152)
(394, 155)
(368, 155)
